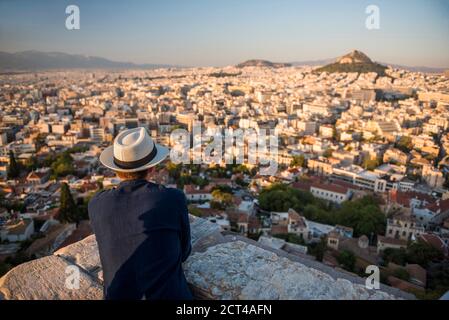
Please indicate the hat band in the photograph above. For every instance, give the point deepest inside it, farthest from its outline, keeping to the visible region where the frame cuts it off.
(138, 163)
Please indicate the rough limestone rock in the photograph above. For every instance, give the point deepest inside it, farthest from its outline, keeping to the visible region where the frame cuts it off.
(220, 267)
(244, 271)
(44, 279)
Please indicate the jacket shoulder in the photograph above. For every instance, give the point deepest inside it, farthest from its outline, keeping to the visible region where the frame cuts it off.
(176, 194)
(99, 196)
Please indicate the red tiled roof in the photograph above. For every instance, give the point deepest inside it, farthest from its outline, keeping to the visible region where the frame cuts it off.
(438, 206)
(302, 185)
(254, 222)
(235, 217)
(292, 214)
(417, 272)
(330, 187)
(277, 229)
(435, 242)
(404, 198)
(192, 189)
(345, 184)
(391, 241)
(37, 175)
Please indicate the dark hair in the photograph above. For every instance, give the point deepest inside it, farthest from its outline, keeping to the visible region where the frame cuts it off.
(132, 175)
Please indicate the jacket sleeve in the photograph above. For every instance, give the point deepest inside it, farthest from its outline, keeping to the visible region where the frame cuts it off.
(186, 245)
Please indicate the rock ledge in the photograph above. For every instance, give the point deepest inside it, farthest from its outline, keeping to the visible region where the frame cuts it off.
(220, 267)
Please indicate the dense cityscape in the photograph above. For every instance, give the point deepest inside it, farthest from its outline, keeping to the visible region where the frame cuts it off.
(363, 159)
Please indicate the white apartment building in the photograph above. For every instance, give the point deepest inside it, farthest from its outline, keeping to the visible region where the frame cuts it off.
(404, 228)
(307, 127)
(16, 231)
(330, 192)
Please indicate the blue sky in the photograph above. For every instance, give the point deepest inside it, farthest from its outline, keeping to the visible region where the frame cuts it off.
(219, 33)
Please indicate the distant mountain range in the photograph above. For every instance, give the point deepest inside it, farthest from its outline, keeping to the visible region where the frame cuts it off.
(37, 60)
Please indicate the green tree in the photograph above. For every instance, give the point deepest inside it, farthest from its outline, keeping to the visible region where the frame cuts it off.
(241, 168)
(194, 211)
(318, 213)
(438, 275)
(241, 182)
(63, 165)
(370, 164)
(363, 215)
(347, 260)
(405, 144)
(397, 256)
(298, 161)
(174, 170)
(328, 153)
(13, 170)
(221, 200)
(417, 252)
(224, 188)
(68, 211)
(291, 238)
(401, 274)
(423, 254)
(318, 249)
(31, 164)
(280, 198)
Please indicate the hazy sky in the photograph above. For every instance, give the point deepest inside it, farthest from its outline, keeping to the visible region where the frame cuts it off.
(218, 33)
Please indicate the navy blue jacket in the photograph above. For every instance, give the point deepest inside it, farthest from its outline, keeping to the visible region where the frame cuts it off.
(143, 236)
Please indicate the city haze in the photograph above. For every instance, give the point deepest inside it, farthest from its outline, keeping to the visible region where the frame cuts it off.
(212, 33)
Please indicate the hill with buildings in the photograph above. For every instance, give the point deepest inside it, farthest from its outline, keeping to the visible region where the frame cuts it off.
(262, 63)
(355, 61)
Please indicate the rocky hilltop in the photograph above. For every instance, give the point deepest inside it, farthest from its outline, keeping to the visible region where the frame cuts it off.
(221, 266)
(355, 61)
(263, 63)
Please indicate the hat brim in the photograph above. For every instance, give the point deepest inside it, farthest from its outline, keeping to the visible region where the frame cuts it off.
(107, 159)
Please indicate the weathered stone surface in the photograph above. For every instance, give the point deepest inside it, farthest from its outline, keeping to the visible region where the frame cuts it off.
(240, 270)
(201, 228)
(83, 253)
(45, 279)
(220, 267)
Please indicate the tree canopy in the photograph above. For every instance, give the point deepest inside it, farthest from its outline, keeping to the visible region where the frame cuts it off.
(417, 253)
(13, 170)
(405, 144)
(280, 198)
(63, 165)
(298, 161)
(347, 260)
(363, 215)
(68, 211)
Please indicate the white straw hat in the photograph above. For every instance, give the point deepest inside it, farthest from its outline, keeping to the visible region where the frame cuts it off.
(133, 150)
